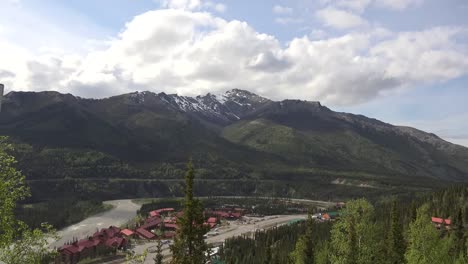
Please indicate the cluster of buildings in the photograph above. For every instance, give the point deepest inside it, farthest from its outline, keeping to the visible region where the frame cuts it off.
(105, 241)
(160, 224)
(227, 213)
(328, 216)
(165, 220)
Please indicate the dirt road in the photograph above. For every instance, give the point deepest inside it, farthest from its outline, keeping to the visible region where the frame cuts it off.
(122, 211)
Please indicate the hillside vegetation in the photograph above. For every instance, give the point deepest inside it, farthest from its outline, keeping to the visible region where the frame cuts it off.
(136, 145)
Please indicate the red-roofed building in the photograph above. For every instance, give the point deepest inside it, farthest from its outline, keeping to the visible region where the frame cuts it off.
(169, 234)
(102, 241)
(170, 226)
(154, 214)
(127, 233)
(438, 222)
(145, 233)
(116, 242)
(212, 222)
(165, 211)
(154, 223)
(170, 221)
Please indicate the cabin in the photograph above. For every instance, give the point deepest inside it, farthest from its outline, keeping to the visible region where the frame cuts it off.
(439, 222)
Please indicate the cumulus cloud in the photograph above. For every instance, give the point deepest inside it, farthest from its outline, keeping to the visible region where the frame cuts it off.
(340, 19)
(210, 54)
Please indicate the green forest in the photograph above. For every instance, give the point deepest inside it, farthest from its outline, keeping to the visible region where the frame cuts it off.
(390, 231)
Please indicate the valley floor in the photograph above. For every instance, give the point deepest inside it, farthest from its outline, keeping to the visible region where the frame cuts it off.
(122, 212)
(234, 229)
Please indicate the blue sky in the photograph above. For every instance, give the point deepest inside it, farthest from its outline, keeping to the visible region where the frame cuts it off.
(401, 61)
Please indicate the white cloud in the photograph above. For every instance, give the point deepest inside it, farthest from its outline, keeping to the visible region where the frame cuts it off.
(282, 10)
(210, 54)
(340, 19)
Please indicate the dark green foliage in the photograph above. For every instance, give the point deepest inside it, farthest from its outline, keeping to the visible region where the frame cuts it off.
(189, 245)
(395, 243)
(386, 233)
(279, 241)
(158, 259)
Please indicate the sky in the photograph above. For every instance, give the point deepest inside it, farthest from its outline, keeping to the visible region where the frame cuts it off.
(404, 62)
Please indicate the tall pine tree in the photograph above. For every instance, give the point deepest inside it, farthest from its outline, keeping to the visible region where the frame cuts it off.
(395, 243)
(158, 259)
(309, 241)
(189, 246)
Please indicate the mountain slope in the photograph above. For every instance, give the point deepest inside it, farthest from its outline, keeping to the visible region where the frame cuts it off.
(316, 135)
(285, 145)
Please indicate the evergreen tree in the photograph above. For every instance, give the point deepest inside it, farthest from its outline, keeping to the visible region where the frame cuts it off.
(158, 259)
(298, 255)
(189, 245)
(395, 242)
(309, 241)
(460, 239)
(304, 250)
(268, 256)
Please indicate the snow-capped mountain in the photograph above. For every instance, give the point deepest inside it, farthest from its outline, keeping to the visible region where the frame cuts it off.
(224, 108)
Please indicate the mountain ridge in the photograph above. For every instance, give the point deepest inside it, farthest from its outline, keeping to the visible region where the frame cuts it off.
(153, 127)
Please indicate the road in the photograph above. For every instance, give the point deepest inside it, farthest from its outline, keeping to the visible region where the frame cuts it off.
(122, 211)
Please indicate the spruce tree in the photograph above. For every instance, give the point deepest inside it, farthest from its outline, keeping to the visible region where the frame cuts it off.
(309, 241)
(189, 245)
(460, 239)
(158, 259)
(395, 242)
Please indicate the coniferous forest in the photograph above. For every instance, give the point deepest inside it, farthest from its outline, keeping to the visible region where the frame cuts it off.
(389, 231)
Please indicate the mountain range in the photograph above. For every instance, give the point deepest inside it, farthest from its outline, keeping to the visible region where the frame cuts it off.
(234, 136)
